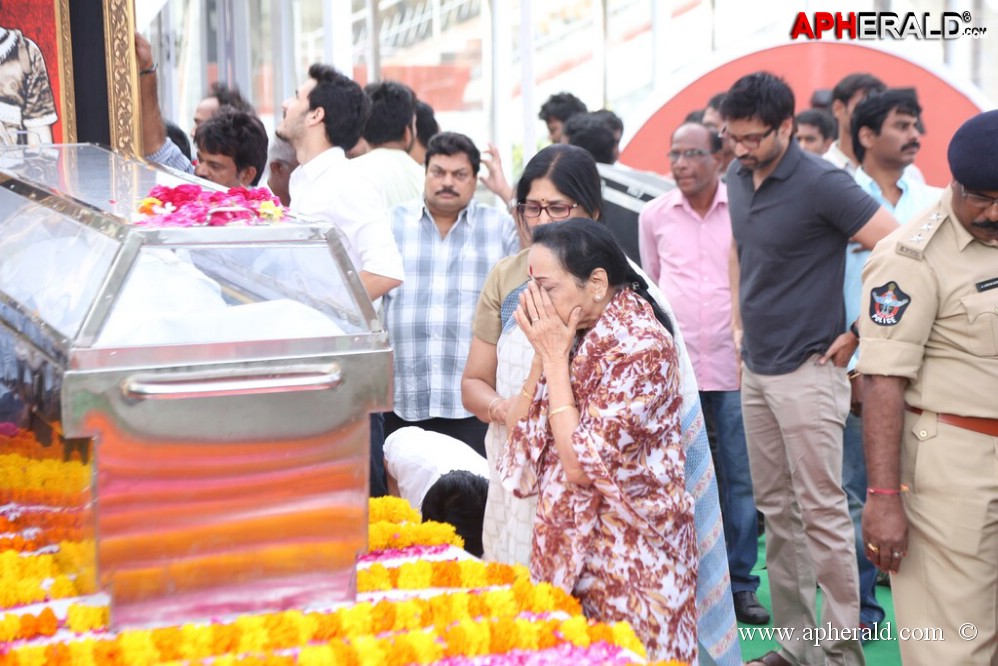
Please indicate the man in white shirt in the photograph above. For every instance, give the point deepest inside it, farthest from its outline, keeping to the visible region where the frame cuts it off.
(327, 114)
(390, 132)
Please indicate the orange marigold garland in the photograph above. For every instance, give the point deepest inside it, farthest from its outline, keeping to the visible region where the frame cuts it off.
(508, 614)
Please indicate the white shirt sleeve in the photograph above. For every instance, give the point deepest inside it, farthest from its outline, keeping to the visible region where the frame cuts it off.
(364, 221)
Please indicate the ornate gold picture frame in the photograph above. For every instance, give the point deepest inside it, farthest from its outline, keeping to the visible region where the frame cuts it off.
(124, 114)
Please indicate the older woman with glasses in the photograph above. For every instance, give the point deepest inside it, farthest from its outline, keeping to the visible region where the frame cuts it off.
(559, 183)
(563, 180)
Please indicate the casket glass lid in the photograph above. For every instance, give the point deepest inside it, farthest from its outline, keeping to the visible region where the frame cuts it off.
(74, 267)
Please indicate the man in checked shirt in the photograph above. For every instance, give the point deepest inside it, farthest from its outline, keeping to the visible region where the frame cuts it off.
(449, 243)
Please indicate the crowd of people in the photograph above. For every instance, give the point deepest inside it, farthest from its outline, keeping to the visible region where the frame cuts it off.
(566, 406)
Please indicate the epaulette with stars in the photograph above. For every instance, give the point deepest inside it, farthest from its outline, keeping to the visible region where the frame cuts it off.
(914, 245)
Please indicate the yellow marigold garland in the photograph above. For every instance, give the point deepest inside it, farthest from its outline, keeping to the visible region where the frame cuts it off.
(20, 473)
(384, 535)
(391, 510)
(464, 637)
(254, 634)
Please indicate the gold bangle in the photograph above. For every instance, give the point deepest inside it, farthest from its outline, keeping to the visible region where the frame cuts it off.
(528, 396)
(560, 410)
(493, 404)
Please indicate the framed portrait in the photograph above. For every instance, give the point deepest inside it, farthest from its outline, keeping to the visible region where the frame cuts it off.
(49, 51)
(37, 99)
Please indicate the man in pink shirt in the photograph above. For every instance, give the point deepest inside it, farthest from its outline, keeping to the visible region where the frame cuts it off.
(685, 239)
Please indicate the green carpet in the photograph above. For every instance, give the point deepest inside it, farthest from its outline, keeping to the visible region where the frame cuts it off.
(878, 653)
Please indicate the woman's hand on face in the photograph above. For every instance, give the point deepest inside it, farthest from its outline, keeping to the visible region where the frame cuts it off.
(550, 337)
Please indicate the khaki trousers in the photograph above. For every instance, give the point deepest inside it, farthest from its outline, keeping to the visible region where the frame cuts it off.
(793, 428)
(948, 582)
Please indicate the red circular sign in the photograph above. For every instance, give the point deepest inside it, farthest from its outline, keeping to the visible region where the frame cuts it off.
(806, 67)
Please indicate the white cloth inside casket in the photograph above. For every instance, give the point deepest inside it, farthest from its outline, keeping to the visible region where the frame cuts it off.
(167, 300)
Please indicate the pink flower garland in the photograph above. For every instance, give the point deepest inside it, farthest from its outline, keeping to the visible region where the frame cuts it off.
(193, 206)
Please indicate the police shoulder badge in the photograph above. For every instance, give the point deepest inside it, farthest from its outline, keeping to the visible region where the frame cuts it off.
(887, 304)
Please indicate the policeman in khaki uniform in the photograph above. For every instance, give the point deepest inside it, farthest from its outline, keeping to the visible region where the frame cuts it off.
(929, 354)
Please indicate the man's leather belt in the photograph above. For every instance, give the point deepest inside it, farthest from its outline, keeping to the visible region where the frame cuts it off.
(972, 423)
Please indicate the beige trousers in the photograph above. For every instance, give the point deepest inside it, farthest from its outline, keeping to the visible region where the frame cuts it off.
(793, 428)
(948, 583)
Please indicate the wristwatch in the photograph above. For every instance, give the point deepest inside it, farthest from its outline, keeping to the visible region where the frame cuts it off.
(854, 330)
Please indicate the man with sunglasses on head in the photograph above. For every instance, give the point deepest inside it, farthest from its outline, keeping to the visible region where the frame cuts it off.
(792, 215)
(684, 238)
(449, 243)
(929, 357)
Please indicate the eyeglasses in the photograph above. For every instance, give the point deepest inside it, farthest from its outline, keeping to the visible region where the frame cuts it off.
(750, 141)
(556, 211)
(977, 201)
(689, 153)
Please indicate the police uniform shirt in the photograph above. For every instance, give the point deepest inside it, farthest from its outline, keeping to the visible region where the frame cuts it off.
(930, 314)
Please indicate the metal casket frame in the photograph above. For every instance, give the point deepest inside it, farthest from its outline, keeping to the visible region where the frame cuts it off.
(231, 445)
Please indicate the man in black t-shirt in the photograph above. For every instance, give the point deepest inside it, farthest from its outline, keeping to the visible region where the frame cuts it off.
(792, 215)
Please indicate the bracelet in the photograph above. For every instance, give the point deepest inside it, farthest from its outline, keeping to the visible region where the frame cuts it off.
(493, 404)
(887, 491)
(528, 396)
(149, 70)
(853, 374)
(560, 410)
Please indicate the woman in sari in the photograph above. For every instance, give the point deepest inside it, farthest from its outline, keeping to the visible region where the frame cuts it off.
(560, 182)
(598, 437)
(498, 363)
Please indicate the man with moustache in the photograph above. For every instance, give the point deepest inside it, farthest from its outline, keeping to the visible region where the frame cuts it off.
(684, 238)
(885, 140)
(449, 243)
(929, 357)
(792, 214)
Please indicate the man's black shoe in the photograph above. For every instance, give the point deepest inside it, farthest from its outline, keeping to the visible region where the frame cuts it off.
(748, 609)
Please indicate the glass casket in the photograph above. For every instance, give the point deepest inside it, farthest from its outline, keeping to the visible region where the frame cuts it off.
(220, 377)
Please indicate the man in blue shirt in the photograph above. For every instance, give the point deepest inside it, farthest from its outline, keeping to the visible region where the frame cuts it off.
(885, 140)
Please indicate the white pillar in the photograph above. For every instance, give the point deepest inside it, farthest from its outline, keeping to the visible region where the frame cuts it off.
(239, 47)
(374, 41)
(496, 59)
(599, 50)
(528, 87)
(337, 23)
(282, 52)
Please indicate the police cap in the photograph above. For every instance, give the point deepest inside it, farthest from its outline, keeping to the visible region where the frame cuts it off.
(973, 152)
